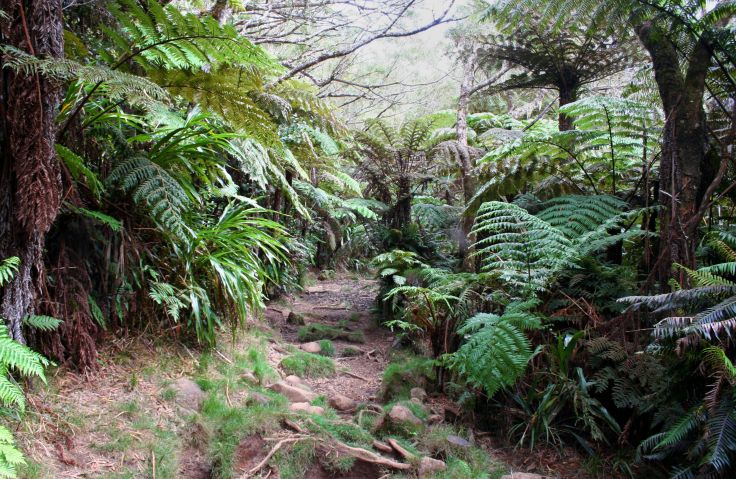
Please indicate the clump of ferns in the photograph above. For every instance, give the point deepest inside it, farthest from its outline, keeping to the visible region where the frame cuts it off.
(700, 322)
(706, 310)
(702, 442)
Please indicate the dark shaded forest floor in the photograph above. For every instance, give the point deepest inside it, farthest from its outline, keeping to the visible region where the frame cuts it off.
(162, 410)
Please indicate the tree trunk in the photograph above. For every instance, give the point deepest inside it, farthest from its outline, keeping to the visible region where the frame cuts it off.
(683, 149)
(30, 178)
(568, 94)
(401, 215)
(464, 159)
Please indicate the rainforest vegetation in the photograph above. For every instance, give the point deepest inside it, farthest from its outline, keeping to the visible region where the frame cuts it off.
(547, 223)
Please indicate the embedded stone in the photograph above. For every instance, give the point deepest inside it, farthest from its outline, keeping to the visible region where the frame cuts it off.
(342, 403)
(295, 318)
(293, 394)
(311, 347)
(402, 414)
(418, 393)
(306, 407)
(188, 394)
(458, 441)
(429, 466)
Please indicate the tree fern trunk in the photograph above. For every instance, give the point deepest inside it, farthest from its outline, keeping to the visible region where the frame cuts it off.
(466, 163)
(30, 176)
(568, 94)
(401, 214)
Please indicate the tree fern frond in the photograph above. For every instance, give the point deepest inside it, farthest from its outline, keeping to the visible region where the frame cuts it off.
(16, 356)
(151, 185)
(8, 268)
(496, 351)
(43, 323)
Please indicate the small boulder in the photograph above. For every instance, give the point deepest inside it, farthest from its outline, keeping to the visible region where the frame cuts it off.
(402, 414)
(250, 378)
(293, 394)
(342, 403)
(428, 466)
(295, 319)
(297, 382)
(306, 407)
(188, 394)
(458, 441)
(311, 347)
(257, 398)
(435, 419)
(419, 394)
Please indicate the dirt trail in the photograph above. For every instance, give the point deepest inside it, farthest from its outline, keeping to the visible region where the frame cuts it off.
(346, 303)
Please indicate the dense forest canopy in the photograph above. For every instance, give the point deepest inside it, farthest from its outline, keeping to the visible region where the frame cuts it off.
(543, 192)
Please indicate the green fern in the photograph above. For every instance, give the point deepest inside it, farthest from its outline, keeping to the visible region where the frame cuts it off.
(602, 154)
(152, 186)
(10, 457)
(525, 250)
(707, 308)
(496, 350)
(156, 37)
(42, 323)
(8, 268)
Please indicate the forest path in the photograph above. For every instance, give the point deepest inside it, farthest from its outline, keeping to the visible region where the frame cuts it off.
(342, 304)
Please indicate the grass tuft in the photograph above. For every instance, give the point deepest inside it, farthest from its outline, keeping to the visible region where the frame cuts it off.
(317, 331)
(326, 347)
(308, 365)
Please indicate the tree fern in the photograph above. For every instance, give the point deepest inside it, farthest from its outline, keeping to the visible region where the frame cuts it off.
(707, 308)
(10, 457)
(152, 186)
(157, 36)
(604, 153)
(524, 249)
(576, 215)
(496, 350)
(529, 250)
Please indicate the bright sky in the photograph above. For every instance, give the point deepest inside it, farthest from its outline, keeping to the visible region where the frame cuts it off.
(421, 59)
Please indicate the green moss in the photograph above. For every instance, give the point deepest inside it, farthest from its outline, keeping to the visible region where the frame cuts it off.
(326, 347)
(317, 331)
(309, 365)
(118, 441)
(406, 429)
(168, 394)
(31, 470)
(404, 374)
(343, 431)
(163, 454)
(350, 351)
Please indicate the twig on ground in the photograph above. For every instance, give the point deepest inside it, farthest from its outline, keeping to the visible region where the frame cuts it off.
(354, 375)
(270, 454)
